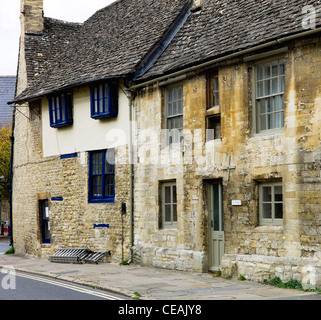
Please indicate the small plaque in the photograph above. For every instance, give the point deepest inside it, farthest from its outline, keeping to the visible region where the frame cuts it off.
(236, 202)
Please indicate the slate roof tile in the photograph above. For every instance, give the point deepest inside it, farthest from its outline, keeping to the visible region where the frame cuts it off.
(111, 43)
(222, 27)
(7, 91)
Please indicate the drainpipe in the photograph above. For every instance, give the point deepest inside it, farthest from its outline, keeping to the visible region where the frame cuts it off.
(11, 176)
(129, 96)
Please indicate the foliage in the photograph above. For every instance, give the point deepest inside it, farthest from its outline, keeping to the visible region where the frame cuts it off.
(5, 158)
(291, 284)
(241, 278)
(10, 251)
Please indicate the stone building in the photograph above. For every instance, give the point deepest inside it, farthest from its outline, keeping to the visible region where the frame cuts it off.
(216, 140)
(236, 186)
(72, 174)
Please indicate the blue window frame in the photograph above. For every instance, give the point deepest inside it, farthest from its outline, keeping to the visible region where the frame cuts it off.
(61, 110)
(102, 176)
(104, 100)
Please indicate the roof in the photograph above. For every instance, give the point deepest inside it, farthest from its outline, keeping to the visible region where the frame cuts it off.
(7, 92)
(112, 43)
(224, 27)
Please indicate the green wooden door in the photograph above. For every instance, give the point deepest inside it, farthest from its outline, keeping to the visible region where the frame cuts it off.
(216, 227)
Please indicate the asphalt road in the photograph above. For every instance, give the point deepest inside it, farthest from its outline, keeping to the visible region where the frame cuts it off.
(4, 246)
(24, 286)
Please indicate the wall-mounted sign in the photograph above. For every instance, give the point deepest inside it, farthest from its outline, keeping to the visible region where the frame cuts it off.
(236, 202)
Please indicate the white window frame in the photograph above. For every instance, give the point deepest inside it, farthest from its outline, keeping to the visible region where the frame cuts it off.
(274, 100)
(173, 205)
(270, 221)
(174, 133)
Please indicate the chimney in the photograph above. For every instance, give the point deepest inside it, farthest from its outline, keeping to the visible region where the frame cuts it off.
(32, 20)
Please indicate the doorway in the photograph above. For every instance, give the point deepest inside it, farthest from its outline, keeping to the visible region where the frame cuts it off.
(44, 220)
(216, 225)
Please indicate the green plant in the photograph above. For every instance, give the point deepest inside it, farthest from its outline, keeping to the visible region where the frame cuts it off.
(10, 251)
(217, 274)
(241, 277)
(277, 282)
(137, 295)
(124, 262)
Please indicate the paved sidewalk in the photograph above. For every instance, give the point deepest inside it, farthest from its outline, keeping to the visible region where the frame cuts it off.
(153, 283)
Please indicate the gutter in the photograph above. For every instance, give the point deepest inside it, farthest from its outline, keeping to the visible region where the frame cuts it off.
(230, 56)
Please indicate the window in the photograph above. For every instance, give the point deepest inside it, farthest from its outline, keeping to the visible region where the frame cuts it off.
(102, 176)
(174, 114)
(213, 127)
(60, 110)
(44, 220)
(213, 91)
(213, 119)
(104, 100)
(271, 204)
(169, 205)
(270, 95)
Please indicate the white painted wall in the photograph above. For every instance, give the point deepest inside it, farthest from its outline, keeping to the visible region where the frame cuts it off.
(85, 134)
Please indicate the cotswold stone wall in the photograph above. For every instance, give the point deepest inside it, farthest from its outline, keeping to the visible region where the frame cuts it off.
(72, 220)
(291, 156)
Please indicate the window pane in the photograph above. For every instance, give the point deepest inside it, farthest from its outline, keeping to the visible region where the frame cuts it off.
(167, 194)
(267, 87)
(109, 185)
(266, 192)
(278, 103)
(270, 119)
(58, 109)
(281, 69)
(260, 89)
(263, 122)
(278, 120)
(261, 106)
(274, 70)
(167, 212)
(278, 196)
(267, 71)
(267, 211)
(278, 211)
(275, 87)
(281, 84)
(259, 73)
(174, 108)
(97, 186)
(180, 107)
(110, 161)
(180, 93)
(174, 212)
(269, 104)
(174, 194)
(170, 109)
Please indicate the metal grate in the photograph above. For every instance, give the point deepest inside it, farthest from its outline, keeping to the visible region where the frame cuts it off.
(95, 256)
(77, 255)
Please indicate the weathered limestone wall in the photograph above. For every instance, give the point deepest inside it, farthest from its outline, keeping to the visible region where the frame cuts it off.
(292, 156)
(71, 220)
